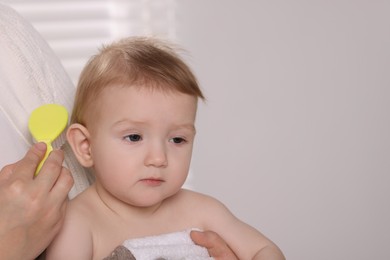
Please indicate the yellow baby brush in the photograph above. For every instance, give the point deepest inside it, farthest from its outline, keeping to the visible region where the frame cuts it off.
(46, 123)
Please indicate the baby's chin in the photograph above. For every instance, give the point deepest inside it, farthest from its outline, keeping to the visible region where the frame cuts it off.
(149, 202)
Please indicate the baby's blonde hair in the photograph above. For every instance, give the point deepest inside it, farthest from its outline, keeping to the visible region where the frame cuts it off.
(134, 61)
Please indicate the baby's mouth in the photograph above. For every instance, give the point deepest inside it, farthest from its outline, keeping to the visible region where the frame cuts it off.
(152, 181)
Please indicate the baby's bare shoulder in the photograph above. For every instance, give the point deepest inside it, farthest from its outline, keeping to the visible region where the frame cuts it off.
(199, 202)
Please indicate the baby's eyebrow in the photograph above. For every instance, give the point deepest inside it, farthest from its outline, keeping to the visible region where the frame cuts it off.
(128, 121)
(125, 124)
(189, 127)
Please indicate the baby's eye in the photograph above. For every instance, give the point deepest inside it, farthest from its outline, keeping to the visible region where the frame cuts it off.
(177, 140)
(133, 138)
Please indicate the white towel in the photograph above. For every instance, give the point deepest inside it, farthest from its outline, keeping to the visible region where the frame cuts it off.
(171, 246)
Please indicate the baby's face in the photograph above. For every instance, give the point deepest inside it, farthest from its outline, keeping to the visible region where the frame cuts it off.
(141, 144)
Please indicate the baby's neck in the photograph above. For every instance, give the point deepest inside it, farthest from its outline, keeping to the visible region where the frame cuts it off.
(123, 210)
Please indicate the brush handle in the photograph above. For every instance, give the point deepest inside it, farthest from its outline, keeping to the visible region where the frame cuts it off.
(49, 148)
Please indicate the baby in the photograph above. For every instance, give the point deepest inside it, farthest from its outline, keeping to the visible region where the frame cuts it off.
(133, 124)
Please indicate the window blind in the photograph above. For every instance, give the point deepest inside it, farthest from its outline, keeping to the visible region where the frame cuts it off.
(75, 29)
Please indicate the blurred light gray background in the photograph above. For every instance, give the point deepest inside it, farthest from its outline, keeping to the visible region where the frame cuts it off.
(295, 136)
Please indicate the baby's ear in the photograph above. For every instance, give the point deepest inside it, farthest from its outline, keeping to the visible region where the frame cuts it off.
(79, 139)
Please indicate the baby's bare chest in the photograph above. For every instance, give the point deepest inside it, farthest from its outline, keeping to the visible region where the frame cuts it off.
(108, 233)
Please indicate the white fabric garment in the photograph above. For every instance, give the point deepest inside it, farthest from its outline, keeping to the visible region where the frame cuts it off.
(30, 75)
(172, 246)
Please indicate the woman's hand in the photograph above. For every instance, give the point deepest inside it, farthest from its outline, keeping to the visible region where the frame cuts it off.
(32, 208)
(216, 246)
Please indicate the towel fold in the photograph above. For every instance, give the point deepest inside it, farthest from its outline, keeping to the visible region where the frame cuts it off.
(171, 246)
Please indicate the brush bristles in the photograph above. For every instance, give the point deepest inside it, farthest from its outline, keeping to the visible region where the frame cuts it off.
(60, 140)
